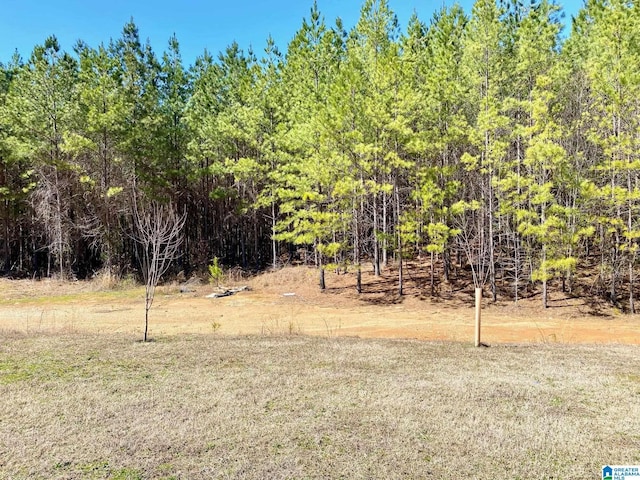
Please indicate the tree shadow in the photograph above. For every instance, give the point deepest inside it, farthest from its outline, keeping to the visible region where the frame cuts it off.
(459, 291)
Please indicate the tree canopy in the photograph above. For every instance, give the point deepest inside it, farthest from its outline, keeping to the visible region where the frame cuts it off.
(485, 142)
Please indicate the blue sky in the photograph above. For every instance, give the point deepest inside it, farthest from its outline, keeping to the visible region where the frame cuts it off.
(198, 24)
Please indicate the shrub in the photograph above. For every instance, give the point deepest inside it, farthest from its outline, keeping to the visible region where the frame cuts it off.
(216, 273)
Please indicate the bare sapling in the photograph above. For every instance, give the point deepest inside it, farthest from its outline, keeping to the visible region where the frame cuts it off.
(473, 240)
(159, 236)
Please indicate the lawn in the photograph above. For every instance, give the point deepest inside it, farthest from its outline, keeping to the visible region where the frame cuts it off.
(268, 407)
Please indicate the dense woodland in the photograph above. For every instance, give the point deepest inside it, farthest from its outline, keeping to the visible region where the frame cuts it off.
(492, 143)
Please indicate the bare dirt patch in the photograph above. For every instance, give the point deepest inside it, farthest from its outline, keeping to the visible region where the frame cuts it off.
(289, 302)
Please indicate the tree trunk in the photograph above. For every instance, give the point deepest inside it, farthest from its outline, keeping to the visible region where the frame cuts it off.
(385, 245)
(400, 272)
(492, 260)
(432, 271)
(256, 254)
(146, 321)
(376, 247)
(396, 212)
(6, 250)
(274, 246)
(322, 283)
(59, 239)
(614, 274)
(446, 263)
(243, 248)
(545, 294)
(632, 308)
(356, 249)
(630, 245)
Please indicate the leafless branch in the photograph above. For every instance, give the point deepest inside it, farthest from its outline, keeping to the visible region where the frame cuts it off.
(159, 235)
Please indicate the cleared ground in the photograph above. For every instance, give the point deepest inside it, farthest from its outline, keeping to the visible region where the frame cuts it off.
(289, 301)
(270, 383)
(203, 407)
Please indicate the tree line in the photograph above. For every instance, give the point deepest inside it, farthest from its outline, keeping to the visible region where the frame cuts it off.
(489, 141)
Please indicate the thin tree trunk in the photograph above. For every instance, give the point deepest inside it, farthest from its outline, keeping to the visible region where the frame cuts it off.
(256, 242)
(59, 242)
(243, 247)
(396, 211)
(376, 247)
(400, 272)
(7, 252)
(21, 249)
(321, 268)
(384, 231)
(516, 266)
(146, 318)
(630, 244)
(356, 250)
(543, 218)
(274, 246)
(491, 246)
(432, 271)
(446, 263)
(632, 308)
(614, 274)
(492, 260)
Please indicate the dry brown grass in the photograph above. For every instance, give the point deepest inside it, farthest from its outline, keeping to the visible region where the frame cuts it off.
(287, 278)
(289, 301)
(201, 407)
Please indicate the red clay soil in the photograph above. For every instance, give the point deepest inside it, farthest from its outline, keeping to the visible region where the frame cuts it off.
(289, 302)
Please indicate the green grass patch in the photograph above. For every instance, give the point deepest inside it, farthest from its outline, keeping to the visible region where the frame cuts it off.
(77, 297)
(43, 369)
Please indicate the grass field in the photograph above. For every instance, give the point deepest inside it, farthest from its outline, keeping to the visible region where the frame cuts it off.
(270, 407)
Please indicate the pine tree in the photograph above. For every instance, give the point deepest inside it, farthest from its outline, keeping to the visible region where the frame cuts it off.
(611, 68)
(174, 93)
(95, 146)
(484, 61)
(440, 125)
(541, 182)
(308, 212)
(271, 99)
(373, 53)
(202, 162)
(40, 106)
(543, 215)
(140, 78)
(240, 122)
(14, 177)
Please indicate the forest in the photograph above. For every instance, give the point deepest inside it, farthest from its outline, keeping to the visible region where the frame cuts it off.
(492, 146)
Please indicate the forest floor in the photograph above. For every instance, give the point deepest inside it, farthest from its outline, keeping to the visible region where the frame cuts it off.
(289, 301)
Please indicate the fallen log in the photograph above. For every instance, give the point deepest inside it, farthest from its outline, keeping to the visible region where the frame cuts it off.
(225, 292)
